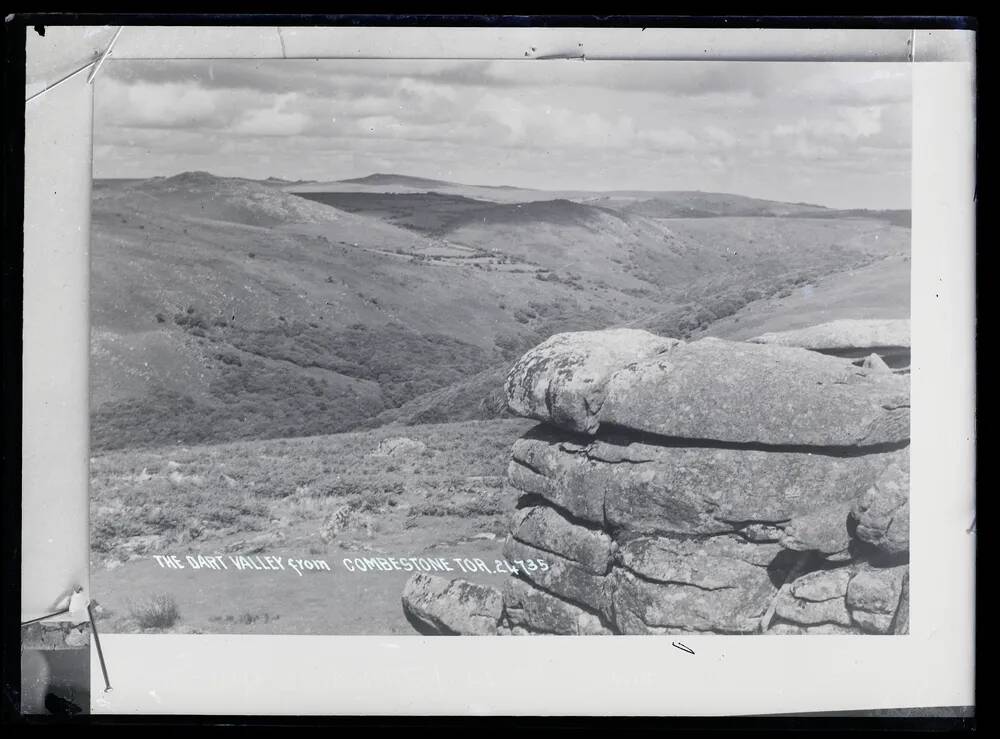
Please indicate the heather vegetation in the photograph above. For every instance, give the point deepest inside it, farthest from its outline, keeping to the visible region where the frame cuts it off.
(143, 501)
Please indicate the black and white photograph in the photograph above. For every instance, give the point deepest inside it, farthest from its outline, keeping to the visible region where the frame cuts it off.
(463, 347)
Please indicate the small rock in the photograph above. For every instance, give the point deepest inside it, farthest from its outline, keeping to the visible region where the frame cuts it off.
(401, 446)
(822, 585)
(438, 606)
(823, 530)
(882, 513)
(874, 595)
(808, 612)
(874, 362)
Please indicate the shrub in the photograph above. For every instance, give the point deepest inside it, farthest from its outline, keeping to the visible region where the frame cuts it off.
(155, 612)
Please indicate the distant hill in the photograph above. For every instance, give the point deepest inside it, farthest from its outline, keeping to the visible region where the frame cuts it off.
(398, 179)
(650, 203)
(227, 308)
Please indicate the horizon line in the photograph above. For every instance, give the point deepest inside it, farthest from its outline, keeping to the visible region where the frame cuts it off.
(355, 180)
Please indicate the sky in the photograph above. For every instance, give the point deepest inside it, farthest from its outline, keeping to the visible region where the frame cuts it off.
(835, 134)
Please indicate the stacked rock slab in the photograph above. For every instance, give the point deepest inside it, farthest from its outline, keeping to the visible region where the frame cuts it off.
(705, 487)
(876, 344)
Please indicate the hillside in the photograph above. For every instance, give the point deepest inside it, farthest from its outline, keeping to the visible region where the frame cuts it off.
(230, 309)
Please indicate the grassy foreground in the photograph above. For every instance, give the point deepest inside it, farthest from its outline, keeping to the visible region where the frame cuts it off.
(434, 490)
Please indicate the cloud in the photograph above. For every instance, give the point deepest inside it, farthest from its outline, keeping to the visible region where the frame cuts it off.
(768, 128)
(167, 105)
(272, 122)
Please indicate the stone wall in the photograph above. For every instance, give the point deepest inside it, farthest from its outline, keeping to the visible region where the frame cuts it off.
(704, 487)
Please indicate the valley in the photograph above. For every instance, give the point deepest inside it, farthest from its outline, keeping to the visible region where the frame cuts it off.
(314, 370)
(228, 309)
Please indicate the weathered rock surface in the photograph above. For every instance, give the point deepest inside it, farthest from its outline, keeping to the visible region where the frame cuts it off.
(733, 392)
(645, 607)
(531, 610)
(816, 598)
(435, 605)
(562, 577)
(882, 512)
(545, 528)
(650, 488)
(721, 584)
(843, 334)
(822, 585)
(873, 596)
(705, 487)
(562, 380)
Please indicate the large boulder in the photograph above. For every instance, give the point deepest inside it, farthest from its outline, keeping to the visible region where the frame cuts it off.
(640, 487)
(844, 334)
(738, 393)
(435, 605)
(706, 487)
(562, 379)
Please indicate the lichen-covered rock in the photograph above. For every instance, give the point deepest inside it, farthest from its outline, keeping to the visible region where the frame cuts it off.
(720, 584)
(435, 605)
(873, 596)
(545, 528)
(531, 610)
(715, 563)
(650, 488)
(809, 612)
(882, 512)
(823, 530)
(560, 576)
(816, 598)
(562, 380)
(822, 585)
(734, 392)
(844, 334)
(649, 607)
(709, 487)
